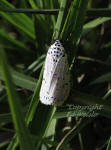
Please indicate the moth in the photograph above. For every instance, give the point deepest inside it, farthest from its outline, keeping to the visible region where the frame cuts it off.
(55, 86)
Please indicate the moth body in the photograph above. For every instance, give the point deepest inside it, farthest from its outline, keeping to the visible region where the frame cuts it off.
(56, 77)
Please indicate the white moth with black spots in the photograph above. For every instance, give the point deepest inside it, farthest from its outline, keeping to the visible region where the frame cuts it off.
(56, 77)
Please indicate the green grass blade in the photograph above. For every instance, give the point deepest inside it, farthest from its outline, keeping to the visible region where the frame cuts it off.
(20, 21)
(71, 14)
(109, 144)
(31, 110)
(72, 28)
(45, 123)
(92, 12)
(94, 23)
(5, 37)
(58, 26)
(36, 65)
(13, 144)
(74, 21)
(103, 78)
(5, 118)
(36, 3)
(32, 11)
(34, 101)
(77, 29)
(15, 106)
(21, 80)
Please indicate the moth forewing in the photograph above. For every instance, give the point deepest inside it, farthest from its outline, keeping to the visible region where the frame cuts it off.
(56, 78)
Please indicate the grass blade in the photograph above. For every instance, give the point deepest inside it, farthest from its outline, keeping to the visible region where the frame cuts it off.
(20, 21)
(15, 106)
(21, 80)
(4, 37)
(32, 11)
(58, 26)
(109, 144)
(94, 23)
(103, 78)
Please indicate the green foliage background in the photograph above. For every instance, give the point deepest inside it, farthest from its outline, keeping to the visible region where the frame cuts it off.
(27, 29)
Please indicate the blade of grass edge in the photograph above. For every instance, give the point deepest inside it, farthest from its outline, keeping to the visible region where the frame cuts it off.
(109, 144)
(58, 26)
(31, 111)
(15, 106)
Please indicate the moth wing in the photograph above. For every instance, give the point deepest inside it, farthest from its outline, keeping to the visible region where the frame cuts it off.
(59, 86)
(56, 79)
(49, 68)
